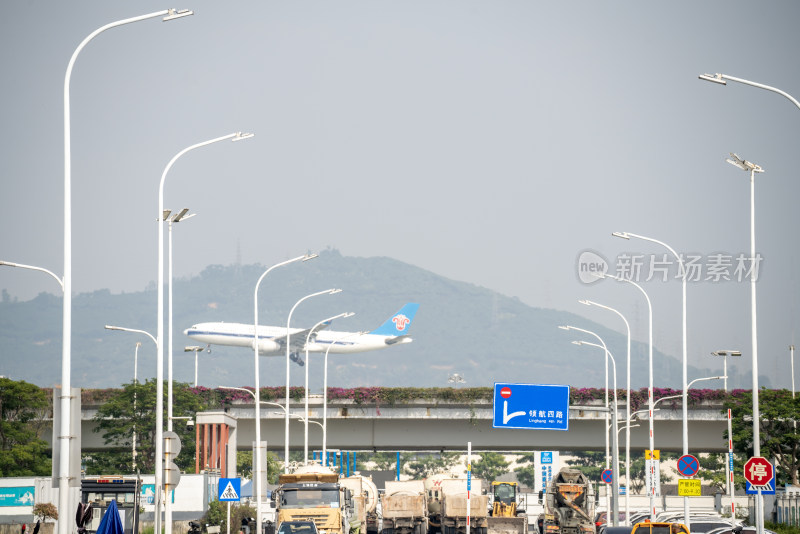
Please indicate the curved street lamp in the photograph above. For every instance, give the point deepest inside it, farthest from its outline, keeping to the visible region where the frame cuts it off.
(627, 402)
(257, 373)
(313, 332)
(160, 217)
(66, 357)
(615, 448)
(685, 359)
(649, 373)
(288, 370)
(325, 394)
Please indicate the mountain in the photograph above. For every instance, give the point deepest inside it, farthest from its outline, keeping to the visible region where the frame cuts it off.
(459, 328)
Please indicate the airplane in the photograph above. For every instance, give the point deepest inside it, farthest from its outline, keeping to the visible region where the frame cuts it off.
(272, 339)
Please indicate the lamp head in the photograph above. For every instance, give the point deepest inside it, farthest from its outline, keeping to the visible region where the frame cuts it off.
(726, 353)
(109, 327)
(623, 235)
(310, 257)
(334, 291)
(563, 327)
(242, 136)
(584, 301)
(577, 342)
(743, 163)
(714, 78)
(181, 215)
(193, 348)
(173, 14)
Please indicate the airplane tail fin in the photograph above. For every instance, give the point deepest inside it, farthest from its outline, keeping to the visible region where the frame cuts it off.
(399, 323)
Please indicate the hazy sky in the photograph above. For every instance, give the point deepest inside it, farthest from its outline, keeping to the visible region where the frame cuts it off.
(487, 141)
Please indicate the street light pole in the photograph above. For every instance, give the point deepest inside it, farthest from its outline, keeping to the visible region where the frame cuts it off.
(288, 363)
(614, 425)
(135, 385)
(685, 359)
(196, 349)
(257, 372)
(325, 395)
(66, 357)
(313, 331)
(135, 378)
(615, 447)
(175, 218)
(649, 383)
(627, 405)
(236, 136)
(729, 459)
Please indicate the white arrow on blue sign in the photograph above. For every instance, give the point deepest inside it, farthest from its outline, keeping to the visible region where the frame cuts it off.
(533, 406)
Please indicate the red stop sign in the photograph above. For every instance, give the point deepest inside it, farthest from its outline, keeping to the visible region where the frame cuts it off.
(505, 392)
(758, 471)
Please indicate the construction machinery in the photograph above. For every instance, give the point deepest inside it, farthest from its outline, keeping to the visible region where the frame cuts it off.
(569, 504)
(313, 493)
(404, 507)
(506, 516)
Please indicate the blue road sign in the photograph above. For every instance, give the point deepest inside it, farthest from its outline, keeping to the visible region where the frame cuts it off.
(230, 489)
(533, 406)
(607, 476)
(688, 465)
(547, 457)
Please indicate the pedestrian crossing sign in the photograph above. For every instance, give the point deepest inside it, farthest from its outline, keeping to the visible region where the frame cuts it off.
(230, 489)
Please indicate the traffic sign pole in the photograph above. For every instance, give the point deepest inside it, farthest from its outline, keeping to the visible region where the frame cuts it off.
(758, 471)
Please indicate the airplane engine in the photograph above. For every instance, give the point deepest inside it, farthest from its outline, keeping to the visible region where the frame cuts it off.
(297, 359)
(266, 346)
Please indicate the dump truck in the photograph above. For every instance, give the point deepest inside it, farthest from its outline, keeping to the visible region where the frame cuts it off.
(506, 515)
(313, 493)
(365, 500)
(404, 507)
(569, 504)
(447, 505)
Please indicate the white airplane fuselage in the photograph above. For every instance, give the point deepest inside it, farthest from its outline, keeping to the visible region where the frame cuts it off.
(242, 335)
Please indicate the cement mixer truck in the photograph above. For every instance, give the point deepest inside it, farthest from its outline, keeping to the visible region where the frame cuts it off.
(365, 501)
(569, 504)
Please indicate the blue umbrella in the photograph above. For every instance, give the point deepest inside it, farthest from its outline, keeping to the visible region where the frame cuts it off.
(111, 523)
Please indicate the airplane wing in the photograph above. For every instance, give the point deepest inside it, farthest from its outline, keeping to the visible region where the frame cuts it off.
(298, 339)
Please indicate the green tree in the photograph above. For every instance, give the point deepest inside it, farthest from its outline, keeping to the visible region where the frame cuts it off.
(526, 473)
(23, 409)
(779, 438)
(712, 469)
(490, 466)
(590, 463)
(385, 461)
(430, 464)
(118, 421)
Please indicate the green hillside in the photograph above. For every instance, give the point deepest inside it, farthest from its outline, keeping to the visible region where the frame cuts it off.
(460, 328)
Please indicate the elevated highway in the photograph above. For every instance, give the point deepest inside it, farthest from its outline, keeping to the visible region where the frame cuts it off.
(440, 425)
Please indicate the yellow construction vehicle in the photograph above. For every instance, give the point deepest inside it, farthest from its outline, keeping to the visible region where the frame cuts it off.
(506, 517)
(504, 499)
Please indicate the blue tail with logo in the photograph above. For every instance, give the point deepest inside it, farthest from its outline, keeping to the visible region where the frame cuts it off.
(399, 323)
